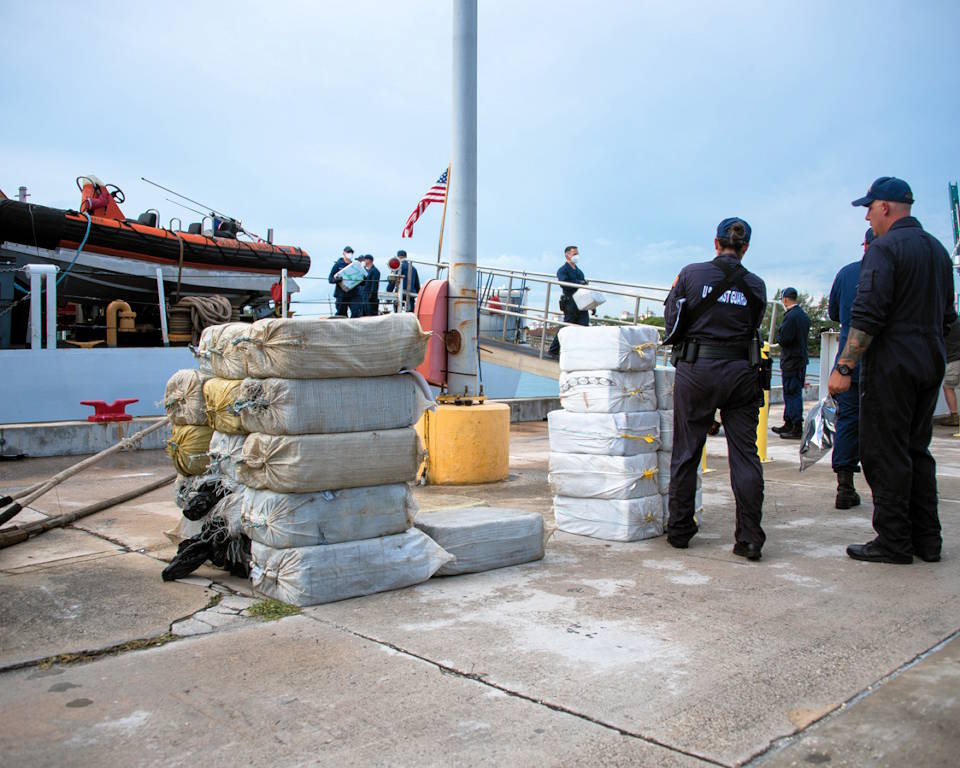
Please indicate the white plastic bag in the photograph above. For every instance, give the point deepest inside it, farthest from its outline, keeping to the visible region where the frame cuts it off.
(608, 348)
(610, 519)
(818, 430)
(603, 477)
(585, 299)
(607, 391)
(609, 434)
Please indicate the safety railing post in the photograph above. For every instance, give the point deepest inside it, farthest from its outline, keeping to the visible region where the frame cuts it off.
(636, 312)
(162, 300)
(37, 272)
(283, 293)
(764, 416)
(546, 315)
(506, 305)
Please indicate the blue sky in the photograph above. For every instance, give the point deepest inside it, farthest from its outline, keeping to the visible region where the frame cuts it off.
(627, 128)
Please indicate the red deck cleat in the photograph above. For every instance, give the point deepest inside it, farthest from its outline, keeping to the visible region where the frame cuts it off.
(114, 411)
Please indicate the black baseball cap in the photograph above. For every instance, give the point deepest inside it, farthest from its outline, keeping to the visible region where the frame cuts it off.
(347, 249)
(402, 254)
(888, 188)
(367, 256)
(789, 293)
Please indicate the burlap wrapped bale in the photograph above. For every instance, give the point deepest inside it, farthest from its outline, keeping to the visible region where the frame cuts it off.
(225, 451)
(330, 572)
(588, 476)
(608, 434)
(484, 538)
(188, 448)
(229, 508)
(327, 348)
(183, 398)
(610, 519)
(307, 463)
(225, 357)
(609, 348)
(321, 406)
(607, 391)
(220, 395)
(283, 520)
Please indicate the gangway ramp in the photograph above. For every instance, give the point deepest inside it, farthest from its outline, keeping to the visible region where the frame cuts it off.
(520, 357)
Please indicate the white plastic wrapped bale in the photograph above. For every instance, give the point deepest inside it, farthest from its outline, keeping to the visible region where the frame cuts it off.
(697, 505)
(330, 572)
(183, 397)
(225, 452)
(608, 434)
(664, 377)
(324, 348)
(663, 472)
(666, 430)
(607, 391)
(224, 356)
(610, 519)
(307, 463)
(282, 520)
(484, 538)
(589, 476)
(320, 406)
(608, 348)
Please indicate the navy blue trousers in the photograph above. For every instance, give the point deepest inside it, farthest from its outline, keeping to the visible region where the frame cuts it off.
(793, 395)
(699, 390)
(846, 443)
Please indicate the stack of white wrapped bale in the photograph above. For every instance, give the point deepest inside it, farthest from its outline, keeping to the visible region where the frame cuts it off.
(324, 470)
(603, 444)
(664, 380)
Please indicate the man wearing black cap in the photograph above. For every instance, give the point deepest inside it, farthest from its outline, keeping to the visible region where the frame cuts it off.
(792, 338)
(903, 308)
(713, 312)
(845, 457)
(344, 299)
(370, 288)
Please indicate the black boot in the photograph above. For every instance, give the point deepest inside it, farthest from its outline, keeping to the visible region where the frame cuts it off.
(787, 427)
(794, 433)
(847, 495)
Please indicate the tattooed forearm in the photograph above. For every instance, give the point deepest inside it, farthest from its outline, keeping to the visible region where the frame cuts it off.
(857, 343)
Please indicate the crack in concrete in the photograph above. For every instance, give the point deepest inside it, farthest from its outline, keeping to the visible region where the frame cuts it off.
(778, 745)
(482, 679)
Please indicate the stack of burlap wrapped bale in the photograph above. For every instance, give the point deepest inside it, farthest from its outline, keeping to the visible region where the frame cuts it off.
(664, 380)
(323, 473)
(604, 443)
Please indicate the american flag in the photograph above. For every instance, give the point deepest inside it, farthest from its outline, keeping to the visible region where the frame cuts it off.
(436, 194)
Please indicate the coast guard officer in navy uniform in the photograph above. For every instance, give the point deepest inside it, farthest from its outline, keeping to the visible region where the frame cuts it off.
(720, 376)
(846, 443)
(902, 311)
(792, 338)
(569, 273)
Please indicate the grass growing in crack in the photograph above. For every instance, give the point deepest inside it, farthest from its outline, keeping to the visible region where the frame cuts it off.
(271, 610)
(114, 650)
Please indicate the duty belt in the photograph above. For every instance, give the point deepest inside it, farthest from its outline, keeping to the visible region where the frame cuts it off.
(719, 352)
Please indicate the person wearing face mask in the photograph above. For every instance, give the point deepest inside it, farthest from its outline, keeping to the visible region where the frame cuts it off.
(569, 273)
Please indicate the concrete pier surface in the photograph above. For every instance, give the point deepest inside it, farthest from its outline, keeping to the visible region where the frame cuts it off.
(601, 654)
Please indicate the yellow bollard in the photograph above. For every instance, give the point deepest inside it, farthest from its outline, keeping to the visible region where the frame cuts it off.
(764, 416)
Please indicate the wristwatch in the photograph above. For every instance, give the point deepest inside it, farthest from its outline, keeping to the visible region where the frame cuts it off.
(843, 369)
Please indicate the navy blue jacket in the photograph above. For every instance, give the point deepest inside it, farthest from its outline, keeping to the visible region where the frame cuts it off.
(731, 319)
(338, 292)
(792, 338)
(569, 273)
(905, 301)
(370, 287)
(405, 268)
(842, 294)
